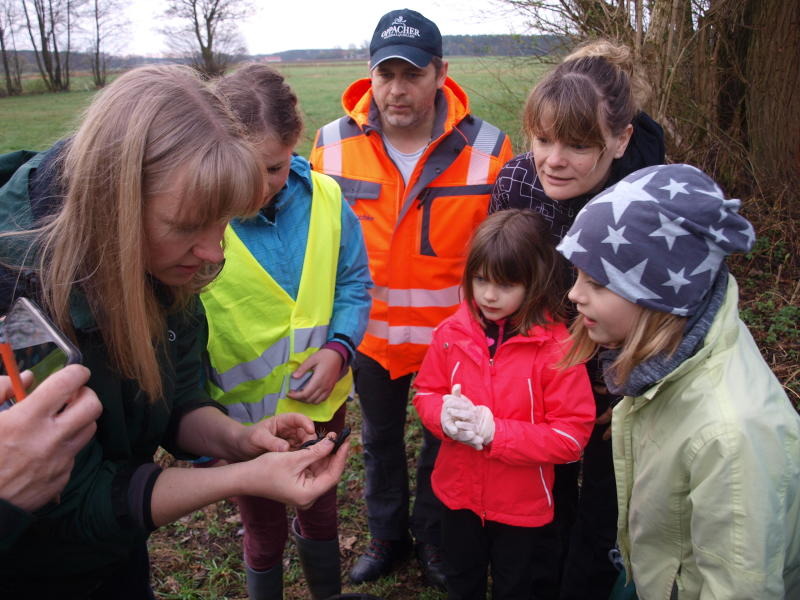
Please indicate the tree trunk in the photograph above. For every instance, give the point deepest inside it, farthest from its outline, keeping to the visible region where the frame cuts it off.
(773, 91)
(6, 66)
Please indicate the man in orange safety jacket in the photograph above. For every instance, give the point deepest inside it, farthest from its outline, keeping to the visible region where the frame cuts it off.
(417, 169)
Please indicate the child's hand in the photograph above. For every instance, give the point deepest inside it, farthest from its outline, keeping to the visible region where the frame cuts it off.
(475, 426)
(326, 365)
(484, 425)
(456, 410)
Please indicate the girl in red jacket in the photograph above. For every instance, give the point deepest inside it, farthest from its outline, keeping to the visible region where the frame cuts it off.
(491, 390)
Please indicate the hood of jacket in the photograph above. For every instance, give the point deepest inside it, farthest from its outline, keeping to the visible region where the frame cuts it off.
(452, 105)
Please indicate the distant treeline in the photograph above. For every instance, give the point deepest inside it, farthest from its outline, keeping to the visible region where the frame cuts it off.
(454, 45)
(501, 45)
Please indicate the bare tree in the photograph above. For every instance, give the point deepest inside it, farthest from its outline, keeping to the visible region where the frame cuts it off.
(107, 21)
(206, 31)
(724, 75)
(50, 25)
(9, 22)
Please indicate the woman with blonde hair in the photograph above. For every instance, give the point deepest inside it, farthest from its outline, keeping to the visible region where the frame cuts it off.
(587, 131)
(113, 232)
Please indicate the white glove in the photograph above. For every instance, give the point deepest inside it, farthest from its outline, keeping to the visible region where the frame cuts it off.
(458, 415)
(483, 423)
(455, 408)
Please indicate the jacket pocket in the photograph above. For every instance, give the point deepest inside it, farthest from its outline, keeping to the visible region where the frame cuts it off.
(356, 189)
(448, 217)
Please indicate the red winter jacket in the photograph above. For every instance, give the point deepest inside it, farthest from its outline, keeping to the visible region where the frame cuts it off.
(543, 416)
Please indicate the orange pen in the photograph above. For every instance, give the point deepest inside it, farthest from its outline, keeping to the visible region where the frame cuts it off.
(13, 371)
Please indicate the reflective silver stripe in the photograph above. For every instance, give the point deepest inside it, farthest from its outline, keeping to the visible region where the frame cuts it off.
(272, 357)
(486, 140)
(330, 134)
(253, 412)
(378, 328)
(417, 298)
(379, 292)
(310, 337)
(258, 368)
(332, 150)
(400, 334)
(480, 162)
(479, 165)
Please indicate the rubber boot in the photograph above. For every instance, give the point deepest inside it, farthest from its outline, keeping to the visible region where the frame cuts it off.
(265, 585)
(320, 563)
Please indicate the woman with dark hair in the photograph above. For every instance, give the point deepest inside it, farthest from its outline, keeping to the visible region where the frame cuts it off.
(587, 131)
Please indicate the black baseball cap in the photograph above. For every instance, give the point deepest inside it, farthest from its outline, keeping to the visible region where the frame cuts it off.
(405, 34)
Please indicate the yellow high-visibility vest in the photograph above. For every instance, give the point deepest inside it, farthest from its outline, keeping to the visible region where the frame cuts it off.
(259, 335)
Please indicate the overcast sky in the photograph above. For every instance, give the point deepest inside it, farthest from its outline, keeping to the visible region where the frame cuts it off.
(277, 25)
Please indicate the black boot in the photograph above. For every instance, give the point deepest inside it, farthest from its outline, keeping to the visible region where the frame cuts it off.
(265, 585)
(379, 559)
(321, 564)
(430, 562)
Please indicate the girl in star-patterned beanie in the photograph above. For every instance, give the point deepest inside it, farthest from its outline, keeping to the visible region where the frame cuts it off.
(706, 443)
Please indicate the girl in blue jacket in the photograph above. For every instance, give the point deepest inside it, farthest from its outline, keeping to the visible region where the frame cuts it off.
(706, 444)
(285, 317)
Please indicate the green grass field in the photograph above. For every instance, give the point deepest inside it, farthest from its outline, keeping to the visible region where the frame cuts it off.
(497, 88)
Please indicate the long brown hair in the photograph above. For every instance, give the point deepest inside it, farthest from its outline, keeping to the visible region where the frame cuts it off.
(138, 134)
(595, 89)
(510, 247)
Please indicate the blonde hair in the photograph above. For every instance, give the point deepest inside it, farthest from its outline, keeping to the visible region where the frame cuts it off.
(597, 88)
(653, 333)
(149, 128)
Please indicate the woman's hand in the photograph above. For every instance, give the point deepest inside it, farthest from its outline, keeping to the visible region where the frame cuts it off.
(297, 478)
(40, 436)
(280, 433)
(326, 364)
(209, 432)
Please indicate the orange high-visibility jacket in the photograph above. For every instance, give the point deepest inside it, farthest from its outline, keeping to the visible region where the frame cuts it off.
(416, 235)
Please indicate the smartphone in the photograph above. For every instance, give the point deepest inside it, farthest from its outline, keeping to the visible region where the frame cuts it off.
(30, 340)
(297, 385)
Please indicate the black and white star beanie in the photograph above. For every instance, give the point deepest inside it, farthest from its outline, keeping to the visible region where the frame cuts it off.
(658, 237)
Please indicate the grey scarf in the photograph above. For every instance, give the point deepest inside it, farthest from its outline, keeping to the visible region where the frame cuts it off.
(649, 372)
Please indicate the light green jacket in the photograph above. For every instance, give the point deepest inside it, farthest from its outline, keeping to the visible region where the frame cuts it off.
(707, 463)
